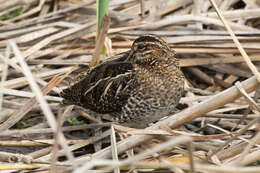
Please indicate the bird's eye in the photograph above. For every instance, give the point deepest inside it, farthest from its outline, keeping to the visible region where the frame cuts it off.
(140, 46)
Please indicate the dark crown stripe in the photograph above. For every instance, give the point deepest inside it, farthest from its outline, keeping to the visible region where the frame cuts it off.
(147, 38)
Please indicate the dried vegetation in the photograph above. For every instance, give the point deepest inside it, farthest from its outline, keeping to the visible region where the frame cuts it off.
(43, 42)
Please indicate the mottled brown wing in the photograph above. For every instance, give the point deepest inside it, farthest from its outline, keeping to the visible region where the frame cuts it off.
(86, 79)
(117, 58)
(108, 86)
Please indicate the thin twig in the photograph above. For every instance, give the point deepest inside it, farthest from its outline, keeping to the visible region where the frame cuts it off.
(240, 132)
(237, 43)
(100, 40)
(166, 145)
(4, 75)
(191, 157)
(39, 96)
(113, 148)
(35, 88)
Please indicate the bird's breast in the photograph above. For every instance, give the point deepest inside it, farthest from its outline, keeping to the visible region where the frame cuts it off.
(161, 87)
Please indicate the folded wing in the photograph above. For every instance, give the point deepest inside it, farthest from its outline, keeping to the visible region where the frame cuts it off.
(105, 88)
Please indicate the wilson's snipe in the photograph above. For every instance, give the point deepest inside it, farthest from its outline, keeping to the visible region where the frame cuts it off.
(136, 87)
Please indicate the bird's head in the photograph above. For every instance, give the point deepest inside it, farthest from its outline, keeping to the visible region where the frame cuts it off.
(148, 49)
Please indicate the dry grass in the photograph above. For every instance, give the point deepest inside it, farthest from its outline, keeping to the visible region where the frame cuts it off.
(42, 42)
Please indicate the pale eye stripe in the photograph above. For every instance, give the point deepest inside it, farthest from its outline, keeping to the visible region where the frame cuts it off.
(147, 52)
(155, 44)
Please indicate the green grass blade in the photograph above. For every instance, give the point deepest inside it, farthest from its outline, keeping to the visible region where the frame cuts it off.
(102, 9)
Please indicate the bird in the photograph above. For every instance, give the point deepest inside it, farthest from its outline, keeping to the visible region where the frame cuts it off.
(135, 88)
